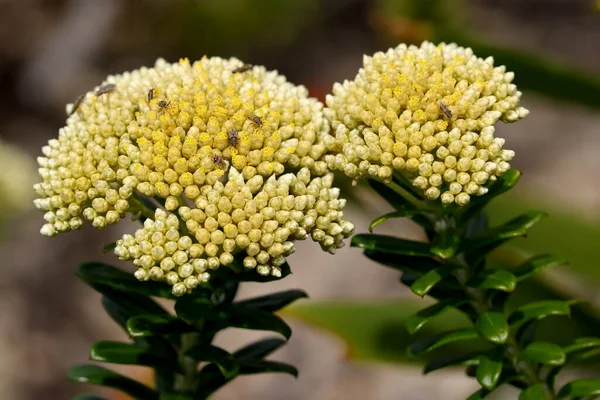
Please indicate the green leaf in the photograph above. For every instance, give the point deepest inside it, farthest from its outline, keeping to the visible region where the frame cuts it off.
(403, 263)
(544, 353)
(425, 283)
(265, 366)
(488, 240)
(471, 358)
(273, 302)
(109, 247)
(416, 322)
(128, 353)
(478, 203)
(535, 392)
(579, 388)
(100, 275)
(96, 375)
(221, 358)
(391, 245)
(258, 349)
(493, 326)
(433, 342)
(191, 309)
(489, 368)
(394, 214)
(445, 244)
(479, 395)
(497, 280)
(152, 325)
(249, 318)
(85, 396)
(584, 343)
(539, 310)
(534, 265)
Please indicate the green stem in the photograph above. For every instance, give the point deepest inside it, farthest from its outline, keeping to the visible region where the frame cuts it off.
(137, 205)
(186, 381)
(408, 196)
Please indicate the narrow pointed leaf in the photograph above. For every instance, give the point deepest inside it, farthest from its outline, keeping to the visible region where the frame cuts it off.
(489, 368)
(95, 274)
(488, 240)
(539, 310)
(129, 353)
(416, 322)
(479, 395)
(273, 302)
(433, 342)
(391, 244)
(580, 388)
(451, 360)
(403, 263)
(445, 244)
(264, 366)
(544, 353)
(497, 280)
(221, 358)
(394, 214)
(535, 392)
(191, 309)
(493, 327)
(248, 318)
(534, 265)
(85, 396)
(478, 203)
(259, 349)
(96, 375)
(152, 325)
(425, 283)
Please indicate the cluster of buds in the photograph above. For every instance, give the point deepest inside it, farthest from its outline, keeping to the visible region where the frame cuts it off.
(259, 218)
(180, 133)
(428, 112)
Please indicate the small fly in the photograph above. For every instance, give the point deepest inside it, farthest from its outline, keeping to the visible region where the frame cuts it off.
(446, 110)
(150, 95)
(232, 137)
(243, 68)
(109, 87)
(219, 161)
(163, 105)
(256, 119)
(76, 104)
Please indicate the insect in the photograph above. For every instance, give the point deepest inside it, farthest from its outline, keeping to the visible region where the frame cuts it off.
(256, 119)
(219, 161)
(76, 104)
(150, 95)
(163, 105)
(446, 110)
(243, 68)
(232, 137)
(109, 87)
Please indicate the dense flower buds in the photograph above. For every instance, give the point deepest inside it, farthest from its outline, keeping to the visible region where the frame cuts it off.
(429, 112)
(216, 146)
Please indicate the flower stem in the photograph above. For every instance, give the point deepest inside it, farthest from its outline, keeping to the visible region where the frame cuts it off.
(186, 381)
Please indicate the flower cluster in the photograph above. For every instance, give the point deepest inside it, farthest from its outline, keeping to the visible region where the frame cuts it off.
(258, 217)
(208, 135)
(17, 174)
(429, 112)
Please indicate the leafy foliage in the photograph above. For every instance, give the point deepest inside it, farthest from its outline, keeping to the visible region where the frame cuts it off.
(175, 345)
(453, 269)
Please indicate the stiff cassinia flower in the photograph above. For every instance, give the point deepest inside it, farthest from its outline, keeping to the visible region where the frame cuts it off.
(17, 174)
(235, 157)
(428, 112)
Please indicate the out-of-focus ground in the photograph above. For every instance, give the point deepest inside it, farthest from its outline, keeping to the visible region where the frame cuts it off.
(51, 51)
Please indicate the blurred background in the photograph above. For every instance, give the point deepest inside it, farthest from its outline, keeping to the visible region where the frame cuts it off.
(348, 340)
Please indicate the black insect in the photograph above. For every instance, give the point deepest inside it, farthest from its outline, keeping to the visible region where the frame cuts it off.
(446, 110)
(243, 68)
(232, 137)
(150, 95)
(219, 161)
(256, 119)
(109, 87)
(76, 104)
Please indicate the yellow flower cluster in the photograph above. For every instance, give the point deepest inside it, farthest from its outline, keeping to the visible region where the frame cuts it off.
(259, 217)
(213, 141)
(429, 112)
(17, 174)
